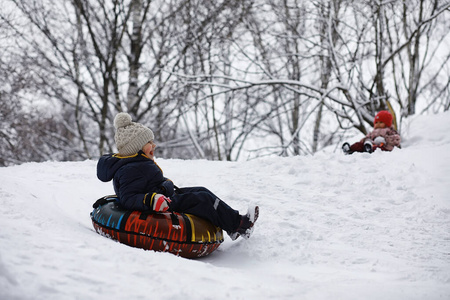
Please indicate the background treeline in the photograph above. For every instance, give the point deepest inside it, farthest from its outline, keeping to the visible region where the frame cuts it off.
(218, 79)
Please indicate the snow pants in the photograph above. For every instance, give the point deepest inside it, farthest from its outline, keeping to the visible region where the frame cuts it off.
(201, 202)
(359, 147)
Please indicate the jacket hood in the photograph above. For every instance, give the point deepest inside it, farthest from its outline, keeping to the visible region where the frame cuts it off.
(109, 164)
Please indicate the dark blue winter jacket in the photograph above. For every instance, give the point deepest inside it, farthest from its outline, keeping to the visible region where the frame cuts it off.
(135, 179)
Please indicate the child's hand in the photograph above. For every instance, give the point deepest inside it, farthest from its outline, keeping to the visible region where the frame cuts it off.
(161, 202)
(379, 140)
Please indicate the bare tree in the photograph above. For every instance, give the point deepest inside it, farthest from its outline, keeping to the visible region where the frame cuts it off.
(219, 79)
(328, 22)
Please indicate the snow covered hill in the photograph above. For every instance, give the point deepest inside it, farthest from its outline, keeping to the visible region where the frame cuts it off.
(331, 227)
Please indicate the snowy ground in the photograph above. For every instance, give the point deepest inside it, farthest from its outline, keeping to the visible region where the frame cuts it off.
(331, 227)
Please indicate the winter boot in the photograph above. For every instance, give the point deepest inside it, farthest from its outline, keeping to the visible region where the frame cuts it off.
(368, 146)
(346, 148)
(245, 227)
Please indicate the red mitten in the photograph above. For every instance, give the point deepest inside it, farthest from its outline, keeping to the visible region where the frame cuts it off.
(160, 202)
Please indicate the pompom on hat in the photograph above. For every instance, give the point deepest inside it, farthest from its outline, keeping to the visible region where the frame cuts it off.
(383, 116)
(130, 136)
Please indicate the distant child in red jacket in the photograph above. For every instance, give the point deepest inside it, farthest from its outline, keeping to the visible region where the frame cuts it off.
(384, 136)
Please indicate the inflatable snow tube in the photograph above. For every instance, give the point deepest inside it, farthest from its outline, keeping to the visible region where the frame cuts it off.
(181, 234)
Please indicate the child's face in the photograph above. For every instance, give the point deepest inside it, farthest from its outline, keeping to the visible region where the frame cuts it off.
(149, 150)
(379, 124)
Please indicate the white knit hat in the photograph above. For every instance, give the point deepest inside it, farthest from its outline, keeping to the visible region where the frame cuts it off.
(130, 136)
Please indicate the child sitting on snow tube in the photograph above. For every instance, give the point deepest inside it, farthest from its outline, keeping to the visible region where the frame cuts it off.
(384, 136)
(140, 185)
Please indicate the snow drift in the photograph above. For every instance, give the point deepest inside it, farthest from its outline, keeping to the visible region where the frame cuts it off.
(365, 226)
